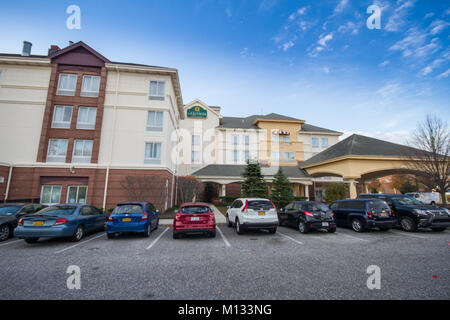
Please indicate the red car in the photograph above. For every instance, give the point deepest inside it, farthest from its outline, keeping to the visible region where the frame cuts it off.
(194, 218)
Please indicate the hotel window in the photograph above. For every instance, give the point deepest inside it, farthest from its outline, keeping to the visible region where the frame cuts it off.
(86, 118)
(195, 140)
(157, 90)
(246, 140)
(152, 153)
(286, 139)
(82, 151)
(246, 155)
(315, 142)
(155, 121)
(67, 84)
(50, 194)
(195, 157)
(91, 86)
(235, 156)
(275, 139)
(235, 139)
(289, 156)
(77, 194)
(62, 116)
(57, 149)
(324, 142)
(276, 156)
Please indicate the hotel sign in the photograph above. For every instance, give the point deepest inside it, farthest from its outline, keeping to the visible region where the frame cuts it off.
(197, 112)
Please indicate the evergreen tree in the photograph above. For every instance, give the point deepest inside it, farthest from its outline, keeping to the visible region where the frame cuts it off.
(281, 194)
(254, 184)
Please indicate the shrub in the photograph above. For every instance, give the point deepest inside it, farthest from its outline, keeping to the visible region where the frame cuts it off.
(335, 191)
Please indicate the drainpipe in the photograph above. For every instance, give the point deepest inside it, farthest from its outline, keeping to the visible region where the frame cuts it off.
(112, 139)
(11, 166)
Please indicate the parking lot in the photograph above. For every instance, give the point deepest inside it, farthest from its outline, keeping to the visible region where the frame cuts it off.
(256, 265)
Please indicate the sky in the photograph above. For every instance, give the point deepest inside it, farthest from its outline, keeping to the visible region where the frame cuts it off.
(313, 60)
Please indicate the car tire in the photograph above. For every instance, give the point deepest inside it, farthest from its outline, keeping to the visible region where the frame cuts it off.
(229, 224)
(5, 232)
(176, 236)
(332, 230)
(407, 224)
(78, 234)
(238, 227)
(111, 235)
(157, 224)
(438, 229)
(302, 227)
(146, 233)
(357, 225)
(212, 234)
(273, 230)
(31, 240)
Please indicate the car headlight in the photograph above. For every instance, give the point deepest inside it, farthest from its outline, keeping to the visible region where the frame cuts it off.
(420, 212)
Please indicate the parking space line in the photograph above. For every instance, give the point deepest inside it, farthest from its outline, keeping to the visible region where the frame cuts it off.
(403, 233)
(80, 243)
(223, 237)
(287, 237)
(156, 240)
(13, 241)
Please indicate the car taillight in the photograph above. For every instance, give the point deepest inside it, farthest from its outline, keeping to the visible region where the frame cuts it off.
(273, 205)
(144, 217)
(245, 207)
(20, 223)
(177, 216)
(332, 213)
(369, 214)
(110, 218)
(61, 221)
(309, 214)
(392, 213)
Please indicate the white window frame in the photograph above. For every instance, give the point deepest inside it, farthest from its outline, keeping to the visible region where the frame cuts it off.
(195, 159)
(322, 144)
(78, 191)
(288, 138)
(86, 125)
(160, 93)
(51, 192)
(246, 155)
(66, 92)
(278, 156)
(153, 160)
(90, 93)
(235, 139)
(56, 158)
(83, 158)
(318, 142)
(62, 124)
(288, 158)
(235, 156)
(246, 140)
(155, 127)
(275, 139)
(195, 140)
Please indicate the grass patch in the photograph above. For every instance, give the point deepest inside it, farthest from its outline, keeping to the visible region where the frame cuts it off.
(222, 209)
(168, 214)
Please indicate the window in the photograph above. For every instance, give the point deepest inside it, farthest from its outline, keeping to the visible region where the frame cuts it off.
(275, 139)
(50, 194)
(235, 139)
(286, 139)
(195, 157)
(289, 156)
(246, 140)
(157, 90)
(86, 118)
(246, 155)
(57, 149)
(235, 156)
(67, 84)
(82, 151)
(62, 116)
(315, 142)
(195, 140)
(324, 142)
(155, 121)
(1, 71)
(91, 86)
(276, 156)
(152, 153)
(77, 194)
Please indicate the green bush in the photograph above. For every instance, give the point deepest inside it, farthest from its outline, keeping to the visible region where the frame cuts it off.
(300, 198)
(335, 191)
(227, 200)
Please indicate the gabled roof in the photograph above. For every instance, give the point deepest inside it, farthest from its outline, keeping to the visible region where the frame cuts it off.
(310, 128)
(79, 44)
(250, 121)
(276, 116)
(357, 145)
(236, 170)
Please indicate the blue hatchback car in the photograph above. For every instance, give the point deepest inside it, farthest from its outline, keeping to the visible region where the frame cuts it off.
(61, 220)
(136, 217)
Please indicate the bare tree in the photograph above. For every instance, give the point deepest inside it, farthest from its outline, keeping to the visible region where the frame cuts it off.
(146, 188)
(430, 157)
(189, 188)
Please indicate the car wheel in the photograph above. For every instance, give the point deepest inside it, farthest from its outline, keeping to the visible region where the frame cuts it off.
(31, 240)
(5, 232)
(332, 230)
(273, 230)
(357, 225)
(302, 227)
(438, 229)
(229, 224)
(111, 235)
(78, 234)
(212, 234)
(105, 226)
(238, 227)
(408, 224)
(176, 236)
(157, 224)
(146, 234)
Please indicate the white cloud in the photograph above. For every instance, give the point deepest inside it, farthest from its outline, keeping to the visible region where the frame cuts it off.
(341, 6)
(323, 39)
(287, 45)
(384, 63)
(349, 27)
(389, 90)
(322, 44)
(228, 12)
(267, 5)
(326, 69)
(438, 25)
(414, 44)
(429, 15)
(299, 12)
(444, 74)
(314, 52)
(427, 70)
(397, 19)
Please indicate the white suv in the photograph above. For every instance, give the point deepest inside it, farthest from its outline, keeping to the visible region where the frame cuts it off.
(252, 213)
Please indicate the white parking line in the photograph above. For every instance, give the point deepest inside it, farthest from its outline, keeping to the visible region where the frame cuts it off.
(223, 237)
(403, 233)
(5, 244)
(157, 238)
(75, 245)
(287, 237)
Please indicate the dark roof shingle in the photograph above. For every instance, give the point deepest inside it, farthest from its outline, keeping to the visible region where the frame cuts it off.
(235, 170)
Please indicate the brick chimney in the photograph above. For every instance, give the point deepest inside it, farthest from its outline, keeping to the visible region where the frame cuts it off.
(53, 49)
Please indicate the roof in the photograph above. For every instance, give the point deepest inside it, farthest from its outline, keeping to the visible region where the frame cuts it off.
(236, 170)
(310, 128)
(276, 116)
(249, 122)
(357, 145)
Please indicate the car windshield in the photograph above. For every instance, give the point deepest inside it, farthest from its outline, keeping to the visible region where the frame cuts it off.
(195, 209)
(378, 205)
(128, 209)
(259, 205)
(58, 210)
(8, 210)
(317, 207)
(406, 201)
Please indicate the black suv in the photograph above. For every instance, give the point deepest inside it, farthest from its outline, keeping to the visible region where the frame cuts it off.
(413, 214)
(10, 213)
(307, 215)
(361, 214)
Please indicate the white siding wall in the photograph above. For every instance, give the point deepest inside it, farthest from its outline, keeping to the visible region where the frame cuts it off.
(306, 138)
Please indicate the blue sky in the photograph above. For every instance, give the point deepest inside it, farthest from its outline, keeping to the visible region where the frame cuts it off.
(314, 60)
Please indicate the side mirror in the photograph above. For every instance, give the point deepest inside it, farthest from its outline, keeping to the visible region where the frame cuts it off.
(157, 211)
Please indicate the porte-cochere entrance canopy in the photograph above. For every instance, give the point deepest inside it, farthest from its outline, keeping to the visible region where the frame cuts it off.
(360, 158)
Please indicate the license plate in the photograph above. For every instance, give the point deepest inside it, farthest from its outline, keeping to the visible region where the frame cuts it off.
(261, 213)
(325, 224)
(38, 223)
(195, 219)
(383, 214)
(126, 219)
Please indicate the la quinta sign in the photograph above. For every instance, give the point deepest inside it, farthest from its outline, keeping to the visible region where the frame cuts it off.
(197, 112)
